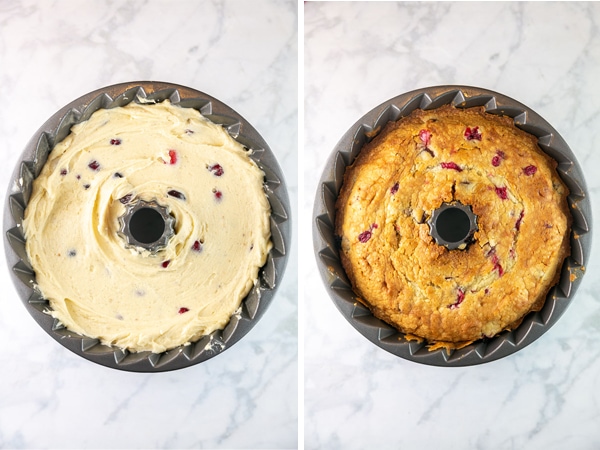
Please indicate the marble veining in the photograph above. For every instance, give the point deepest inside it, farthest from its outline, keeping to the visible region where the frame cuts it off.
(244, 53)
(358, 55)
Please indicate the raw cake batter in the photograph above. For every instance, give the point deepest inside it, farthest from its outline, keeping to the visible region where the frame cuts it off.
(129, 297)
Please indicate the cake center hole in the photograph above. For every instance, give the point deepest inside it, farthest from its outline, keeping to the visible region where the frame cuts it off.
(453, 225)
(146, 225)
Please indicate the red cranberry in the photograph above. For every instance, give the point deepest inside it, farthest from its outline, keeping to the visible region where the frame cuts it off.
(472, 134)
(501, 192)
(529, 170)
(115, 141)
(172, 157)
(218, 194)
(519, 220)
(460, 296)
(451, 165)
(166, 263)
(425, 136)
(197, 247)
(366, 235)
(395, 188)
(126, 199)
(496, 160)
(497, 266)
(176, 194)
(94, 165)
(183, 310)
(216, 169)
(63, 172)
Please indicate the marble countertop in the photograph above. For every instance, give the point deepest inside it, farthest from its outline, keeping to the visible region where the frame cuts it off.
(242, 53)
(357, 55)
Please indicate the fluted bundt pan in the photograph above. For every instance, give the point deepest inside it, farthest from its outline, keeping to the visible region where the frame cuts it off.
(32, 160)
(326, 245)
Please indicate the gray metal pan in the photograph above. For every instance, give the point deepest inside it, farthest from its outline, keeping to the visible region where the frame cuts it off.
(325, 242)
(32, 160)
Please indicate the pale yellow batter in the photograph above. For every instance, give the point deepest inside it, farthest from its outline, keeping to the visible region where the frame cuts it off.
(131, 298)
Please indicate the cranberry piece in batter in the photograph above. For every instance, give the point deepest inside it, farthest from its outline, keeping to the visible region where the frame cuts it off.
(216, 169)
(497, 159)
(519, 220)
(126, 199)
(176, 194)
(425, 136)
(366, 235)
(172, 157)
(472, 134)
(460, 296)
(501, 192)
(451, 165)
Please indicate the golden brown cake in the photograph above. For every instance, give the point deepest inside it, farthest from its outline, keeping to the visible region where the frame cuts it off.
(444, 156)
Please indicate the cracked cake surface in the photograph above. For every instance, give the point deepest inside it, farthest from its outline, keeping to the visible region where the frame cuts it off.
(411, 168)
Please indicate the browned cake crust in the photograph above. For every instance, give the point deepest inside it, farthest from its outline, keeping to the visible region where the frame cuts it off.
(412, 167)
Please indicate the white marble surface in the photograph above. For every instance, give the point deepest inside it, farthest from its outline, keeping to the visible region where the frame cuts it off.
(358, 55)
(245, 54)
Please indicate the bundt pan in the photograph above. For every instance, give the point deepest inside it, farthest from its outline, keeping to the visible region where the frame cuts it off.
(33, 159)
(326, 246)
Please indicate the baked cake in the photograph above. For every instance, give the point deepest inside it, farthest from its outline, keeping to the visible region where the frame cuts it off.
(452, 297)
(96, 282)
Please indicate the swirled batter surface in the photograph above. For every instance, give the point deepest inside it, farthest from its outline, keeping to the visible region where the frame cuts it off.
(412, 168)
(99, 287)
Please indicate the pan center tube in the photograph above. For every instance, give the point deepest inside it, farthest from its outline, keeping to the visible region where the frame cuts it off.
(146, 225)
(453, 225)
